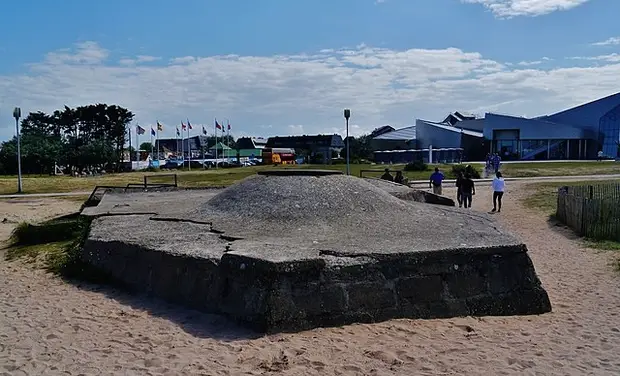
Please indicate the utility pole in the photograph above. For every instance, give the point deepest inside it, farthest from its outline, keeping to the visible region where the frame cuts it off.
(17, 113)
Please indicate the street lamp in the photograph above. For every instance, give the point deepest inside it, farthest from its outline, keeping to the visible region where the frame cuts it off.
(17, 113)
(347, 115)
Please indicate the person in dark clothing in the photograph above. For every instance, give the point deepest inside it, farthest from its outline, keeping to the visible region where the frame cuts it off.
(459, 197)
(400, 179)
(387, 176)
(468, 190)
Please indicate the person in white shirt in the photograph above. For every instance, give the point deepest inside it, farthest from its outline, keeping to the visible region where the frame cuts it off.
(499, 185)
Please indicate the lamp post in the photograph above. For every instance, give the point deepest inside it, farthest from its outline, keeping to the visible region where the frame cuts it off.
(347, 115)
(17, 113)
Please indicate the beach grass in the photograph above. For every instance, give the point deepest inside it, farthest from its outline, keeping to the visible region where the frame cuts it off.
(55, 245)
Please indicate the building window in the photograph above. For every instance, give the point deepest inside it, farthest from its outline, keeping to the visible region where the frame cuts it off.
(609, 127)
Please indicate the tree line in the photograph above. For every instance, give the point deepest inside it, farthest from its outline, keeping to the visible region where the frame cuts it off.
(79, 139)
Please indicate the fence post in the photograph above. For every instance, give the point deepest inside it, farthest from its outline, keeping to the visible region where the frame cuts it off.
(145, 182)
(175, 181)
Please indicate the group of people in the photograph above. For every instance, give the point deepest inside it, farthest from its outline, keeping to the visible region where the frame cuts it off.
(466, 189)
(399, 178)
(493, 163)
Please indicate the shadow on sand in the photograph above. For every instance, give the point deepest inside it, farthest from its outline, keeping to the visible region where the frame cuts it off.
(193, 322)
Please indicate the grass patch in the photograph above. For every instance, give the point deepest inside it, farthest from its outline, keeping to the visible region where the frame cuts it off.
(228, 176)
(194, 178)
(56, 244)
(605, 245)
(522, 170)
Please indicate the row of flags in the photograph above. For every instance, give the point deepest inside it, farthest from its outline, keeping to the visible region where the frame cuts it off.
(184, 127)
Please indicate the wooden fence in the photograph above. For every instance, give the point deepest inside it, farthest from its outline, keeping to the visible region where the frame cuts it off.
(592, 211)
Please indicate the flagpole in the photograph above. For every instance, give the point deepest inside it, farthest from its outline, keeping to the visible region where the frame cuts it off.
(228, 138)
(182, 145)
(189, 146)
(152, 151)
(157, 142)
(129, 147)
(137, 148)
(204, 133)
(215, 131)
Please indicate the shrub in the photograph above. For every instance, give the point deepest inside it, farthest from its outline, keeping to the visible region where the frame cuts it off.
(475, 173)
(416, 166)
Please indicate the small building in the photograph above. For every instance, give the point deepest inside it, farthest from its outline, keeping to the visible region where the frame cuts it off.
(179, 147)
(251, 143)
(317, 146)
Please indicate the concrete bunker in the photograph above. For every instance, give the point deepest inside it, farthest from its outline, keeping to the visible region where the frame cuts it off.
(296, 250)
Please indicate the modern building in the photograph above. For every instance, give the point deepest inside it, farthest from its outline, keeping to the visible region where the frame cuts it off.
(322, 146)
(577, 133)
(397, 139)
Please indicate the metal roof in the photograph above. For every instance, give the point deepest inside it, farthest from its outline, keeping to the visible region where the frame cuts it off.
(454, 129)
(407, 133)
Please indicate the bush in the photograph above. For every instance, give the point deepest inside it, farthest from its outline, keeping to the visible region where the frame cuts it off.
(474, 172)
(416, 166)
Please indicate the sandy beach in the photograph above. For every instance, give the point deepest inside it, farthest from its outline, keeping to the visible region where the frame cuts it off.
(51, 327)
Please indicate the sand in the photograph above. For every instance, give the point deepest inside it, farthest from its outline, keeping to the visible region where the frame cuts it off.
(50, 327)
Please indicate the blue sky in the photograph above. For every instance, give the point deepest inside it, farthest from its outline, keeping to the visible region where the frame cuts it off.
(289, 67)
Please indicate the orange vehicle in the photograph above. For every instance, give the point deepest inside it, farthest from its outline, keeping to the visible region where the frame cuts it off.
(278, 156)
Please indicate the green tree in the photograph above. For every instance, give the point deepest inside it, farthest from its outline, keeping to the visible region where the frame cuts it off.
(81, 138)
(146, 146)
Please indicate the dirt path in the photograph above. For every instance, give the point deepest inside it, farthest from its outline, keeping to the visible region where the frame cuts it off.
(50, 327)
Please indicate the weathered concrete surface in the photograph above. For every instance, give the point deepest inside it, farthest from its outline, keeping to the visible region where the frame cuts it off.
(296, 252)
(168, 202)
(406, 193)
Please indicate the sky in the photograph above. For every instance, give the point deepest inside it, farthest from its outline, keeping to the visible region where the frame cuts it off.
(281, 67)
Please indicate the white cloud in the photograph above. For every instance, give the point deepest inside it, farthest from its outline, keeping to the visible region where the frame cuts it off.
(381, 86)
(513, 8)
(611, 58)
(614, 41)
(139, 59)
(529, 63)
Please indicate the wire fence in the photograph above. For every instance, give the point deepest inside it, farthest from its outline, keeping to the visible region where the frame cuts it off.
(592, 211)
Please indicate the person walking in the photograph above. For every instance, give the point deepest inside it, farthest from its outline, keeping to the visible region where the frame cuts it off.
(436, 181)
(468, 190)
(459, 181)
(499, 185)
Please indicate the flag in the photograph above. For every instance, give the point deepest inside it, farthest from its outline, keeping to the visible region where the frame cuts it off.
(140, 130)
(153, 133)
(183, 126)
(217, 125)
(189, 125)
(204, 131)
(178, 133)
(160, 128)
(228, 126)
